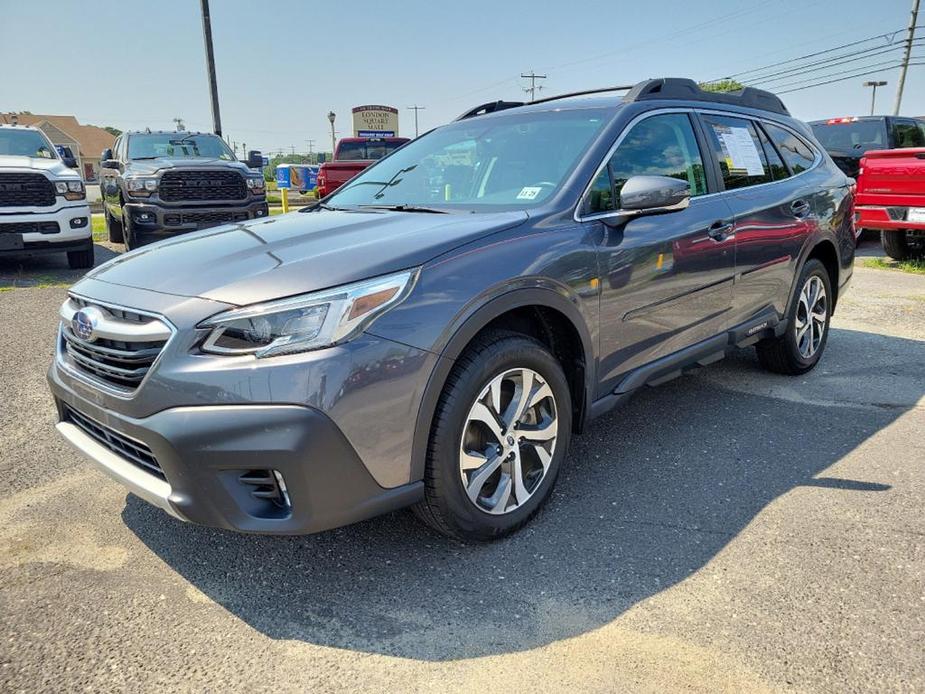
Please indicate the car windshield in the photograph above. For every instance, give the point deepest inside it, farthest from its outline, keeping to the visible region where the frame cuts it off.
(178, 146)
(25, 143)
(510, 161)
(858, 136)
(369, 150)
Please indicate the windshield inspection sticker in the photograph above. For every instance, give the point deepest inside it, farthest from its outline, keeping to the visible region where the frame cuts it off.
(740, 150)
(529, 192)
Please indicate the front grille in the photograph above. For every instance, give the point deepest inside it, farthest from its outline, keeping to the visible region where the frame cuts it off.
(204, 219)
(197, 186)
(123, 357)
(26, 190)
(30, 228)
(131, 450)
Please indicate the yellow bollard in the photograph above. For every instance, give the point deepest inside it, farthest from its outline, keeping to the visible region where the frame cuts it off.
(284, 195)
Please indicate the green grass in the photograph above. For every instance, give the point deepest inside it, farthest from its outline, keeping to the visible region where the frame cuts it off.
(915, 266)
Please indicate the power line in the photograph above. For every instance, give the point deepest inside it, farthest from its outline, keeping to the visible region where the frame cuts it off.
(839, 79)
(888, 36)
(883, 65)
(825, 64)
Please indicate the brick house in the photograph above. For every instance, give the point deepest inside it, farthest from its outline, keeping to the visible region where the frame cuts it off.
(85, 141)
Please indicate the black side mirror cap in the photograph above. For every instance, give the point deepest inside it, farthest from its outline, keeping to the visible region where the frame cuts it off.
(254, 159)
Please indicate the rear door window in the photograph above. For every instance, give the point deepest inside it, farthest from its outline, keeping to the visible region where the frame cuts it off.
(738, 151)
(796, 153)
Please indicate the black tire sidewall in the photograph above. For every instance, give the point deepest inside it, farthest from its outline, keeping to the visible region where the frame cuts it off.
(811, 268)
(510, 353)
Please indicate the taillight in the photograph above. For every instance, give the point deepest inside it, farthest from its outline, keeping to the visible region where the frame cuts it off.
(838, 121)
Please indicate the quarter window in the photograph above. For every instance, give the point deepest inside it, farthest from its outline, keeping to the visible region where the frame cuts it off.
(775, 163)
(906, 133)
(738, 151)
(796, 153)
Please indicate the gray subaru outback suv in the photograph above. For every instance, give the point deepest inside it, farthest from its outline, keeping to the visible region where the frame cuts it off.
(434, 333)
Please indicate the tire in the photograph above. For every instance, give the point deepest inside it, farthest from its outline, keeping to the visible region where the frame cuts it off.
(128, 234)
(895, 244)
(496, 506)
(113, 227)
(81, 260)
(792, 355)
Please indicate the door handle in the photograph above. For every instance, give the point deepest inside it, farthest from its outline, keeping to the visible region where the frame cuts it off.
(800, 208)
(720, 230)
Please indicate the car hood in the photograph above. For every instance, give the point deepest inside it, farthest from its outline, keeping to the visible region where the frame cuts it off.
(296, 253)
(53, 167)
(153, 166)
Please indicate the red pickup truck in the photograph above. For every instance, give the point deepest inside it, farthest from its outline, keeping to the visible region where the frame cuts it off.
(353, 154)
(891, 198)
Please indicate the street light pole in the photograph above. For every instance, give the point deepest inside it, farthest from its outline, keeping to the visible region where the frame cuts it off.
(331, 117)
(210, 67)
(873, 97)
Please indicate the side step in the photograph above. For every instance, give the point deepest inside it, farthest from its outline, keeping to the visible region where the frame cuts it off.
(765, 324)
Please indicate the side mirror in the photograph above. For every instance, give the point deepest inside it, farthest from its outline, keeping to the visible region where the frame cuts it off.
(654, 194)
(254, 159)
(69, 162)
(106, 155)
(109, 164)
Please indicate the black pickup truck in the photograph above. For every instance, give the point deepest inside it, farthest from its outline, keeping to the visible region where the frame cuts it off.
(848, 139)
(159, 184)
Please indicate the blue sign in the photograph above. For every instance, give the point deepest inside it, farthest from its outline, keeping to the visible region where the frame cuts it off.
(375, 133)
(266, 161)
(283, 176)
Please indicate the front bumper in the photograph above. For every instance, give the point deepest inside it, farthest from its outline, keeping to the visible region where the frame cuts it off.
(204, 451)
(50, 232)
(153, 221)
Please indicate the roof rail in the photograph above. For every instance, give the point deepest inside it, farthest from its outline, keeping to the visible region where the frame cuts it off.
(583, 93)
(490, 107)
(675, 88)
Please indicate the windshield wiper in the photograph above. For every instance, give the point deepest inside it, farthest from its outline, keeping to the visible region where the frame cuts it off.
(405, 208)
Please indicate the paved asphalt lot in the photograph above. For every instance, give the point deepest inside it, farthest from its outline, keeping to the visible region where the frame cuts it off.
(728, 531)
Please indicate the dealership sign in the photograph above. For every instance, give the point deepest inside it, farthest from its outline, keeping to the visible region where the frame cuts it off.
(375, 121)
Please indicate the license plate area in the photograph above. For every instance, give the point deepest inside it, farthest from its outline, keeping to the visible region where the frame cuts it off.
(11, 242)
(916, 215)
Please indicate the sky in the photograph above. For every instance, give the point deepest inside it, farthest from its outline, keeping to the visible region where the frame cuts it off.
(282, 66)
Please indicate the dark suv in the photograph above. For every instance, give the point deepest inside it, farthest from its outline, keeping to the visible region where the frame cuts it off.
(159, 184)
(432, 334)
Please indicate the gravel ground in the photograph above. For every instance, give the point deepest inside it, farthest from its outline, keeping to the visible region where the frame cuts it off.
(728, 531)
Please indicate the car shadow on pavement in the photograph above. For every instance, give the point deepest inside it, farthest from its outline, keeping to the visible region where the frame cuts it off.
(48, 269)
(647, 497)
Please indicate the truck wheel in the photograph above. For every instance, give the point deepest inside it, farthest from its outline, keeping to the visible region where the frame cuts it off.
(895, 244)
(82, 259)
(500, 433)
(128, 234)
(113, 227)
(798, 350)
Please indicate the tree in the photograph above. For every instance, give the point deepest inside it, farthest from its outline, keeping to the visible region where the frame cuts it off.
(115, 132)
(724, 85)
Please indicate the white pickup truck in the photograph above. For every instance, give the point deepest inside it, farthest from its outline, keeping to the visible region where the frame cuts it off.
(43, 204)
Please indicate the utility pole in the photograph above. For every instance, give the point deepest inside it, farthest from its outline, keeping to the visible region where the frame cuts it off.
(416, 109)
(913, 18)
(210, 67)
(873, 98)
(533, 77)
(311, 146)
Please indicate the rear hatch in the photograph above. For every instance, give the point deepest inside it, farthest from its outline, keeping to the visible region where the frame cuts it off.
(894, 177)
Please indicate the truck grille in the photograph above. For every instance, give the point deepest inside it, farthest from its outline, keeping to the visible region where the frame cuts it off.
(131, 450)
(26, 190)
(186, 186)
(204, 219)
(30, 228)
(122, 354)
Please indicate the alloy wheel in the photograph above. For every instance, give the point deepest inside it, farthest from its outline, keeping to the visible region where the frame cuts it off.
(508, 441)
(810, 321)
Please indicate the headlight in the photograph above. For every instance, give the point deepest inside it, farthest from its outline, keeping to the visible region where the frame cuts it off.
(141, 187)
(255, 183)
(71, 190)
(307, 322)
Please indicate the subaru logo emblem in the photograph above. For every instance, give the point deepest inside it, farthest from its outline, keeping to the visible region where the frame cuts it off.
(84, 322)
